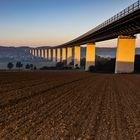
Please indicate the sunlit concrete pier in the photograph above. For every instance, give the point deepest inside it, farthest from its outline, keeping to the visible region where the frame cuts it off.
(69, 55)
(90, 56)
(125, 54)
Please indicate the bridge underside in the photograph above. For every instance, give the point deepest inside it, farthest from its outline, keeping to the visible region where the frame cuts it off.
(128, 25)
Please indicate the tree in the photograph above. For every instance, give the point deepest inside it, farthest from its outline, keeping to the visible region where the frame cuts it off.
(10, 65)
(19, 65)
(27, 66)
(91, 68)
(77, 66)
(59, 65)
(31, 66)
(35, 67)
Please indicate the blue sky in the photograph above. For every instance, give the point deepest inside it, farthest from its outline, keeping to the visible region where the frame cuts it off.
(53, 22)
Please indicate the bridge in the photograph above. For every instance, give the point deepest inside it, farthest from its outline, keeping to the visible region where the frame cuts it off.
(124, 26)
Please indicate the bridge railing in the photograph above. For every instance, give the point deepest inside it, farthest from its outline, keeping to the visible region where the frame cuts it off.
(118, 16)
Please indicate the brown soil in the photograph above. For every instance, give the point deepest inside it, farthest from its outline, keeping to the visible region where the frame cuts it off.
(69, 106)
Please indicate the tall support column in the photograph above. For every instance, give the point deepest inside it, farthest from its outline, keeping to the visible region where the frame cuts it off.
(54, 55)
(125, 54)
(35, 52)
(30, 51)
(58, 55)
(42, 53)
(77, 56)
(39, 54)
(46, 53)
(69, 55)
(49, 54)
(63, 54)
(90, 55)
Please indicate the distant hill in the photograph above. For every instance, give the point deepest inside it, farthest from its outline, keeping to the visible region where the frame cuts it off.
(13, 54)
(22, 53)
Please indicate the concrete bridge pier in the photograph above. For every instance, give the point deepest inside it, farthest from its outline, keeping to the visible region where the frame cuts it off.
(64, 55)
(58, 55)
(46, 53)
(49, 54)
(35, 52)
(77, 56)
(125, 56)
(31, 52)
(54, 55)
(90, 56)
(42, 53)
(38, 53)
(69, 55)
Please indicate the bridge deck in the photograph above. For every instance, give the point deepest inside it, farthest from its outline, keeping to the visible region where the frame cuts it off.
(127, 22)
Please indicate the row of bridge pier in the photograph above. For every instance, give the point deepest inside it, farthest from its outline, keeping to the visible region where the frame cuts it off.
(125, 55)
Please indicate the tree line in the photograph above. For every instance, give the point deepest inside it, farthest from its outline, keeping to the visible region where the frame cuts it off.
(19, 65)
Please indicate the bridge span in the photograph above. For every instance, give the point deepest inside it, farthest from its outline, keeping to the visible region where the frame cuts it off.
(124, 26)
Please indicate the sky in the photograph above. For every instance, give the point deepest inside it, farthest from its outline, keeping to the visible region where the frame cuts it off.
(53, 22)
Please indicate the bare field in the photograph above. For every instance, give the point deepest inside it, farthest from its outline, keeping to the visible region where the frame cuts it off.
(69, 106)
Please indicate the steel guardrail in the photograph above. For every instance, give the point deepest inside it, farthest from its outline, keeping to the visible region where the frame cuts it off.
(135, 6)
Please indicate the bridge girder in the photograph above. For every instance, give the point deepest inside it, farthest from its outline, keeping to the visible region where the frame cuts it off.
(127, 25)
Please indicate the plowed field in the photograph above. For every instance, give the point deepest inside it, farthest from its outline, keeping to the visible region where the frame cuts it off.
(69, 105)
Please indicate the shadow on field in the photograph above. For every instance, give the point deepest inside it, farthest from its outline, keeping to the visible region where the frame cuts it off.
(102, 65)
(107, 65)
